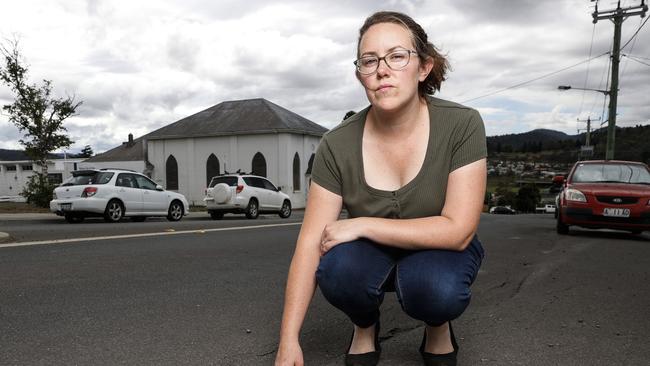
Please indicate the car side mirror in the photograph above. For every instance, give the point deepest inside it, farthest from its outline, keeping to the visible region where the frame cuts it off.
(279, 189)
(159, 188)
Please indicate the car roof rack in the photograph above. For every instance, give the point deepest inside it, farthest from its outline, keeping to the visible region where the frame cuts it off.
(127, 170)
(238, 172)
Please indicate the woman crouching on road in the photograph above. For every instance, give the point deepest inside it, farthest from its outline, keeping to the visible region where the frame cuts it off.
(410, 170)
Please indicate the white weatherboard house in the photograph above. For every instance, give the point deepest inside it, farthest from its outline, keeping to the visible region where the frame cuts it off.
(253, 136)
(16, 168)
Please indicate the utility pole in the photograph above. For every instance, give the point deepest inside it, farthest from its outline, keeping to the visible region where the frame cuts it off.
(588, 120)
(587, 151)
(617, 16)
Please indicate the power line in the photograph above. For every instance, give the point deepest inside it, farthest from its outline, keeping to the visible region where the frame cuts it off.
(631, 49)
(635, 33)
(591, 45)
(639, 57)
(603, 81)
(535, 79)
(639, 61)
(602, 114)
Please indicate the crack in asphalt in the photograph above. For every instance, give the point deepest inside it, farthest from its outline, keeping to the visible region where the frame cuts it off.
(520, 285)
(397, 331)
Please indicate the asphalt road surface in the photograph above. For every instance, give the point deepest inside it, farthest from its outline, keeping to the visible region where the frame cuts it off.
(202, 292)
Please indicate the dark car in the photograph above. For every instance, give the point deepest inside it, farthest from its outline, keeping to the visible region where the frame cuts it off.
(608, 194)
(502, 210)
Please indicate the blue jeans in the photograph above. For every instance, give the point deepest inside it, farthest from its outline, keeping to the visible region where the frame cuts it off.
(431, 285)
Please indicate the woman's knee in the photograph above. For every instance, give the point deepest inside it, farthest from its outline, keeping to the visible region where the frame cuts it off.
(347, 277)
(433, 300)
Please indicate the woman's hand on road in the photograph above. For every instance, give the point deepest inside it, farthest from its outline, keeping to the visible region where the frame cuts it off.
(289, 354)
(338, 232)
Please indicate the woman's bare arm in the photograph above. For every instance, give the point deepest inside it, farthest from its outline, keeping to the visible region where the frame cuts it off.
(453, 229)
(323, 207)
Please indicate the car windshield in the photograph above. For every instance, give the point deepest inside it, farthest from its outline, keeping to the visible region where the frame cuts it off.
(84, 178)
(231, 181)
(611, 173)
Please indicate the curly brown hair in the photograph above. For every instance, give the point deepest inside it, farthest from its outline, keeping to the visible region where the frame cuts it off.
(423, 47)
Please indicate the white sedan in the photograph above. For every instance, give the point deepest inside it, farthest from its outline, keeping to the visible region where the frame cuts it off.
(114, 194)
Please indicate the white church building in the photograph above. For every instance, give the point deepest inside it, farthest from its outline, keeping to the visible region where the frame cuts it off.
(253, 136)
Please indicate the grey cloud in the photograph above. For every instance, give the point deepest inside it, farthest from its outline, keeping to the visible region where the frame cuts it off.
(9, 135)
(109, 62)
(182, 52)
(96, 136)
(234, 9)
(521, 11)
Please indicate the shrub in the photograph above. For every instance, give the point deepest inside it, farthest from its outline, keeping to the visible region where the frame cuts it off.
(38, 190)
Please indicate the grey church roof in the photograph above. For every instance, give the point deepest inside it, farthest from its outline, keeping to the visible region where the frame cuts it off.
(128, 151)
(250, 116)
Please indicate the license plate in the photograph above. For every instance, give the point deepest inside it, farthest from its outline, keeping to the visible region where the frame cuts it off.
(66, 206)
(616, 212)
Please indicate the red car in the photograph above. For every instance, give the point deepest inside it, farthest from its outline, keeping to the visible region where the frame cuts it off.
(607, 194)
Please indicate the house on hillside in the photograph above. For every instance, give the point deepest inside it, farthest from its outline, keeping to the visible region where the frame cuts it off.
(254, 136)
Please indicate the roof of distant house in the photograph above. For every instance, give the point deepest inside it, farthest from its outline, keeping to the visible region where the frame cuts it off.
(130, 150)
(250, 116)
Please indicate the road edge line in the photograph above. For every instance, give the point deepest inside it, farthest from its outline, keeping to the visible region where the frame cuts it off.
(130, 236)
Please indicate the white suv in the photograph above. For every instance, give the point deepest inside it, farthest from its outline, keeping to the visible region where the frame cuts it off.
(249, 194)
(113, 194)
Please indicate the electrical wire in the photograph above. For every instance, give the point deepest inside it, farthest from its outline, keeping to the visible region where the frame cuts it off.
(601, 82)
(635, 33)
(602, 114)
(591, 45)
(535, 79)
(639, 57)
(627, 61)
(634, 59)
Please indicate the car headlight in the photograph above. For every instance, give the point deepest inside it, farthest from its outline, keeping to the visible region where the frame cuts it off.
(54, 196)
(574, 195)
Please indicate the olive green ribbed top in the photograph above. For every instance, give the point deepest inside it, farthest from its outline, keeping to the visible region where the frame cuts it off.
(456, 138)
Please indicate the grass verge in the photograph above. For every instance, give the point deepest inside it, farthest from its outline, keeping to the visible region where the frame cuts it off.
(21, 207)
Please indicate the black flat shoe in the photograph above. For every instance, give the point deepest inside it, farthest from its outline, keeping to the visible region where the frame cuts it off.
(446, 359)
(364, 359)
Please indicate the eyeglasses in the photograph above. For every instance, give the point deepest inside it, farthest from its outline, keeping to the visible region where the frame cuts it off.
(395, 60)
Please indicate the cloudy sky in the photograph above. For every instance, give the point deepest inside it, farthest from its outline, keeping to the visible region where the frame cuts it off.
(140, 65)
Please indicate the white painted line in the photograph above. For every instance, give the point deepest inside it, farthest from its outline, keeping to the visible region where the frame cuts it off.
(129, 236)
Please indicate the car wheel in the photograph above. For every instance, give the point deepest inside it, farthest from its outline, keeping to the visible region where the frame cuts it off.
(285, 211)
(215, 215)
(175, 212)
(114, 211)
(138, 218)
(252, 210)
(74, 219)
(561, 227)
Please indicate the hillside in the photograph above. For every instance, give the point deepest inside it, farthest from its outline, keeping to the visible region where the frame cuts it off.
(632, 143)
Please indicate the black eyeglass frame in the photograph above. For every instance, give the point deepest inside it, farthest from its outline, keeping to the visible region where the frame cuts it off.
(358, 67)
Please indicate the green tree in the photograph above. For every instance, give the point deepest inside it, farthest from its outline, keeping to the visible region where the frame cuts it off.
(38, 115)
(504, 196)
(86, 152)
(527, 198)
